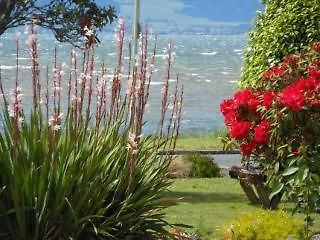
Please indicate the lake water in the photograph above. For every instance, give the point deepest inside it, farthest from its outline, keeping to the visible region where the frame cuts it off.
(208, 67)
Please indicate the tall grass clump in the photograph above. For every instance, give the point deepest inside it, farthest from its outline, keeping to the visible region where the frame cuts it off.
(77, 165)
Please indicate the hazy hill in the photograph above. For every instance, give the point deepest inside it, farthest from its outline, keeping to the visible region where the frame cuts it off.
(190, 16)
(194, 16)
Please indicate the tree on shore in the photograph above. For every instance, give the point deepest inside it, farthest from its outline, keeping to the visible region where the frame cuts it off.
(65, 18)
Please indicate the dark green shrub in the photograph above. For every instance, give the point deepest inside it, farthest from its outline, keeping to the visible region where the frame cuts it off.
(202, 166)
(286, 26)
(264, 225)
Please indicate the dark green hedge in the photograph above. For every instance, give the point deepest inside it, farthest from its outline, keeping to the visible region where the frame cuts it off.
(286, 26)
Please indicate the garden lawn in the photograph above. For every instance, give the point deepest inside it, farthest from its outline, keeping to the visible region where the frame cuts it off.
(208, 141)
(207, 205)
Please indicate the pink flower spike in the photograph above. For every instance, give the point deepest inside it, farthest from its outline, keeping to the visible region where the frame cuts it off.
(15, 108)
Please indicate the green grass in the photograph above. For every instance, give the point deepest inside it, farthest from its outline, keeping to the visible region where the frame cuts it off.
(210, 204)
(201, 141)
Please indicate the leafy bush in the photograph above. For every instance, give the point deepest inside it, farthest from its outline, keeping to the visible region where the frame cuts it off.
(89, 174)
(264, 225)
(202, 166)
(279, 125)
(286, 27)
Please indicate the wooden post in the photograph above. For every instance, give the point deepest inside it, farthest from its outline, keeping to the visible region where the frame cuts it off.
(263, 194)
(253, 185)
(136, 20)
(248, 190)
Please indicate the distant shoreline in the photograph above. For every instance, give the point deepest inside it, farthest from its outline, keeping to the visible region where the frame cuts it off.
(15, 30)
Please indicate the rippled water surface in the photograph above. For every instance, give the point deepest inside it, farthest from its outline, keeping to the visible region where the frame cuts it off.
(208, 67)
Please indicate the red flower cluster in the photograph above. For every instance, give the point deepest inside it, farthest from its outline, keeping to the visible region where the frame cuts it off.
(286, 89)
(261, 132)
(228, 110)
(274, 71)
(268, 98)
(243, 101)
(293, 98)
(241, 117)
(303, 93)
(242, 98)
(247, 148)
(240, 130)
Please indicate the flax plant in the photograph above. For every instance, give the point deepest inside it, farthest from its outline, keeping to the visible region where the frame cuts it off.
(89, 173)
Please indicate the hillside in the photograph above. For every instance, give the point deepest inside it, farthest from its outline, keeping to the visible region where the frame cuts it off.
(190, 16)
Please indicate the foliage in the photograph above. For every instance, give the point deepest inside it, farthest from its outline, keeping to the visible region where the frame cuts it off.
(264, 225)
(90, 174)
(77, 185)
(66, 18)
(202, 166)
(279, 124)
(286, 27)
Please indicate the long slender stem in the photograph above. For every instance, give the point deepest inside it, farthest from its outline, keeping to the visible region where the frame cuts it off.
(2, 91)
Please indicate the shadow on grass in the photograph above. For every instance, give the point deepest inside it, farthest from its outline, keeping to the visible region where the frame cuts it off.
(201, 197)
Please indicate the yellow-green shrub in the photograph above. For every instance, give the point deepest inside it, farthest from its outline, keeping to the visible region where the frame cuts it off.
(264, 225)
